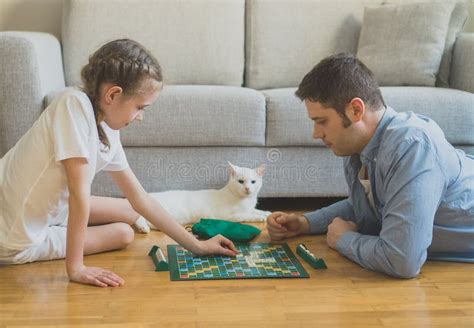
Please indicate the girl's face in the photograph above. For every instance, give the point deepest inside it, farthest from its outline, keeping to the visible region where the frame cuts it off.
(119, 110)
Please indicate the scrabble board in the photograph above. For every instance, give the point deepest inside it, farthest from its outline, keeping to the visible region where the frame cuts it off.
(264, 260)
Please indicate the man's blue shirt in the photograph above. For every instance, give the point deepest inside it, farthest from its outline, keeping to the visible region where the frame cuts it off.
(423, 190)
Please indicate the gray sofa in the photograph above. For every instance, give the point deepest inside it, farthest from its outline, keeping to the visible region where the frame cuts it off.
(231, 68)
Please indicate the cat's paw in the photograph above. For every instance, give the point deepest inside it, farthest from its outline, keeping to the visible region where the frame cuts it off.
(142, 225)
(266, 213)
(262, 215)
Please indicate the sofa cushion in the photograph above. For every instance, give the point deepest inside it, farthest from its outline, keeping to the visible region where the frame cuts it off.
(24, 82)
(456, 25)
(192, 115)
(201, 116)
(289, 125)
(414, 56)
(451, 109)
(315, 173)
(196, 42)
(280, 49)
(462, 68)
(287, 120)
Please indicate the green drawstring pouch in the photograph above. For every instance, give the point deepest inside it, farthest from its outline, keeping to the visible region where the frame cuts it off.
(237, 232)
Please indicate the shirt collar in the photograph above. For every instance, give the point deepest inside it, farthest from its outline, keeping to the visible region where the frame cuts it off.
(370, 150)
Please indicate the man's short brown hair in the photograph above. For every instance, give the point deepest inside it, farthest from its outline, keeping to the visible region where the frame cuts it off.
(338, 79)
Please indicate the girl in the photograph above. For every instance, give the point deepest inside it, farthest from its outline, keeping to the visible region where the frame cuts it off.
(47, 211)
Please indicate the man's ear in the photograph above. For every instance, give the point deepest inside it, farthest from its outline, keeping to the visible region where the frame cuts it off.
(355, 110)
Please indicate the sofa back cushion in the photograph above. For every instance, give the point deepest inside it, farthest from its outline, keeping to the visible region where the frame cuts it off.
(286, 38)
(196, 42)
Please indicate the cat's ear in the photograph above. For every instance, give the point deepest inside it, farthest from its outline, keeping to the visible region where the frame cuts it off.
(232, 169)
(260, 170)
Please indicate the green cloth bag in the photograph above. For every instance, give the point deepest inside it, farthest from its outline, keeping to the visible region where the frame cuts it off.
(237, 232)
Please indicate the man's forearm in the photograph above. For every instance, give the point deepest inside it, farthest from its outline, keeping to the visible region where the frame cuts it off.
(320, 219)
(375, 253)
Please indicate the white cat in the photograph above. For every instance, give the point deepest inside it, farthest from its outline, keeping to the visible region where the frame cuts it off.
(235, 202)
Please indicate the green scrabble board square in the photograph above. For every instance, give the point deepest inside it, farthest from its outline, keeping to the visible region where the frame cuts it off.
(255, 261)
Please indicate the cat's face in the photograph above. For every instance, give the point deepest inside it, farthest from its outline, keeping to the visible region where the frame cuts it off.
(245, 182)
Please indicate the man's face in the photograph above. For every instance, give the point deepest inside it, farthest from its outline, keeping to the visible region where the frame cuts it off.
(329, 127)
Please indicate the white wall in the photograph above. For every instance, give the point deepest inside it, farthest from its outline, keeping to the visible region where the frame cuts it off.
(45, 15)
(31, 15)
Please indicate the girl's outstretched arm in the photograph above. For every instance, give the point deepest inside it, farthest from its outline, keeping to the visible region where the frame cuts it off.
(151, 209)
(77, 172)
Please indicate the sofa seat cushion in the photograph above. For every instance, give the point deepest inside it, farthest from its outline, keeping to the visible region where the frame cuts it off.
(315, 173)
(288, 123)
(190, 115)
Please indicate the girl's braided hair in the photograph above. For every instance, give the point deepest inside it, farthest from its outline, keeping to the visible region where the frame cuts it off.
(123, 62)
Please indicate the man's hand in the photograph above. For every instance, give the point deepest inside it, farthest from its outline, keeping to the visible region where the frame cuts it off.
(337, 228)
(281, 225)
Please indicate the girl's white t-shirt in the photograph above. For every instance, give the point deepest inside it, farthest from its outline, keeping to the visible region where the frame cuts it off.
(33, 184)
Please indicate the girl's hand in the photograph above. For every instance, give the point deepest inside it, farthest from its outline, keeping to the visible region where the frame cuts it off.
(96, 276)
(217, 245)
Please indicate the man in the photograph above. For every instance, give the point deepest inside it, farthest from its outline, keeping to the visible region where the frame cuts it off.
(411, 194)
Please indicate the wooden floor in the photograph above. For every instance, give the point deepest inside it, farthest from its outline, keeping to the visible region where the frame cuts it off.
(345, 295)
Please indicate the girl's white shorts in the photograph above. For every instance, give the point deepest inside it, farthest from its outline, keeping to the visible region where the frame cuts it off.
(52, 248)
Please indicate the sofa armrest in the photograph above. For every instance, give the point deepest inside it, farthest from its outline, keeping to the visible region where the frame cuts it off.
(30, 67)
(462, 67)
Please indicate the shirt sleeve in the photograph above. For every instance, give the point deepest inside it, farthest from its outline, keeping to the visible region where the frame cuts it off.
(414, 185)
(320, 219)
(119, 160)
(71, 129)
